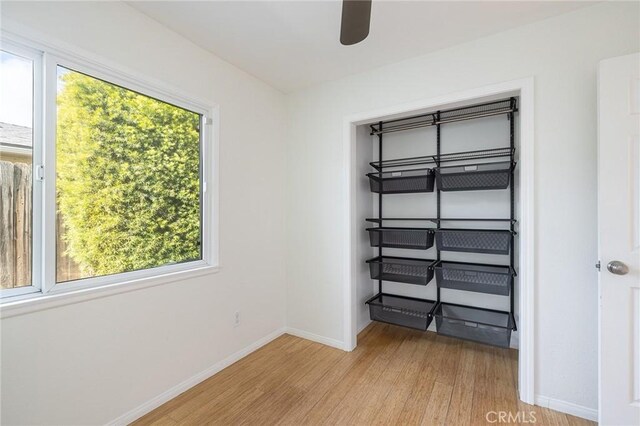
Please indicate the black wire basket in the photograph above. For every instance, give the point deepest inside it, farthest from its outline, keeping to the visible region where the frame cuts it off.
(491, 241)
(400, 310)
(402, 181)
(492, 279)
(475, 177)
(401, 269)
(476, 324)
(405, 238)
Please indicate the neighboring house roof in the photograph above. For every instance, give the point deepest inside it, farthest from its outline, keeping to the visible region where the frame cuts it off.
(15, 139)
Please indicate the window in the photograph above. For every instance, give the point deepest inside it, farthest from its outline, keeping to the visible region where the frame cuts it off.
(119, 193)
(127, 180)
(16, 170)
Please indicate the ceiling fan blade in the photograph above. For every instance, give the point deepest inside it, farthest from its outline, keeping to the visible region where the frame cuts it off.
(356, 17)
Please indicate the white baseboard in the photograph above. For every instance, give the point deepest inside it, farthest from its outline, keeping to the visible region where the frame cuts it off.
(171, 393)
(315, 338)
(363, 326)
(567, 407)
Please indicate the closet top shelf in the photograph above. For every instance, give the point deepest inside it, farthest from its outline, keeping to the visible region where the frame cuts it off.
(470, 112)
(436, 220)
(444, 158)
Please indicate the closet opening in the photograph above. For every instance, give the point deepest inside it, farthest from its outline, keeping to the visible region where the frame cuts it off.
(436, 218)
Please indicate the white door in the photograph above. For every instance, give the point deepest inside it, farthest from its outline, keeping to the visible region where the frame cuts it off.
(619, 240)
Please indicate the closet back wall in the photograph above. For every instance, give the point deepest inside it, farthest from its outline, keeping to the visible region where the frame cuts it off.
(91, 362)
(562, 54)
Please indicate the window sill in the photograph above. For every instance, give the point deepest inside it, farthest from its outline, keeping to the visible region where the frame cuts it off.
(37, 302)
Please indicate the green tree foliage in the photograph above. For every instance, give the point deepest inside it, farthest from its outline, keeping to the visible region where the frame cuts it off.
(127, 177)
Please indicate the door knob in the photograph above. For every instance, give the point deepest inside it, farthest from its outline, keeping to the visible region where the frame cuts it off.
(617, 267)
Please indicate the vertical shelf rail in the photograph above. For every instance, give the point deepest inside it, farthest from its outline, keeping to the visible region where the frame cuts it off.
(438, 212)
(512, 195)
(380, 196)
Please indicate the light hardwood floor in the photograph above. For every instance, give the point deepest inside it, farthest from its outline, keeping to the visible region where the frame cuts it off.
(395, 376)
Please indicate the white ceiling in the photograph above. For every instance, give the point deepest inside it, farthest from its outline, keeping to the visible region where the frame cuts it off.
(291, 45)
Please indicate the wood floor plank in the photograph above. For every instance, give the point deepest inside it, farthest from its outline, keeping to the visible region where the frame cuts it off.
(446, 373)
(285, 390)
(577, 421)
(436, 411)
(392, 406)
(483, 398)
(414, 408)
(352, 393)
(459, 412)
(503, 386)
(298, 414)
(550, 417)
(156, 419)
(225, 404)
(342, 390)
(395, 376)
(378, 391)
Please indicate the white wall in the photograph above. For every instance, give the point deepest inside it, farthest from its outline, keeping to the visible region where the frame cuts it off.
(561, 53)
(91, 362)
(364, 209)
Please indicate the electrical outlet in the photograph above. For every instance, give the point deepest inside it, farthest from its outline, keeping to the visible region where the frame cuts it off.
(236, 319)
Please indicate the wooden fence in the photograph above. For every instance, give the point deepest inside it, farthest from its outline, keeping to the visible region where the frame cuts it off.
(15, 226)
(16, 230)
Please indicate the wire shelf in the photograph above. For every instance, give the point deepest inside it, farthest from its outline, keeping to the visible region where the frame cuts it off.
(487, 109)
(436, 220)
(480, 110)
(444, 158)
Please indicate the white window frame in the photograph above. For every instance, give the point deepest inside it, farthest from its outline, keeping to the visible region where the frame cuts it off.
(45, 288)
(36, 158)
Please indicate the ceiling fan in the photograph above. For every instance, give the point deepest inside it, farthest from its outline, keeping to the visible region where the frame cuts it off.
(356, 17)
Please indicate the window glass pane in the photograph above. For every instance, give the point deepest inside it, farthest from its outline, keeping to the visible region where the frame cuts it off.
(128, 180)
(16, 141)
